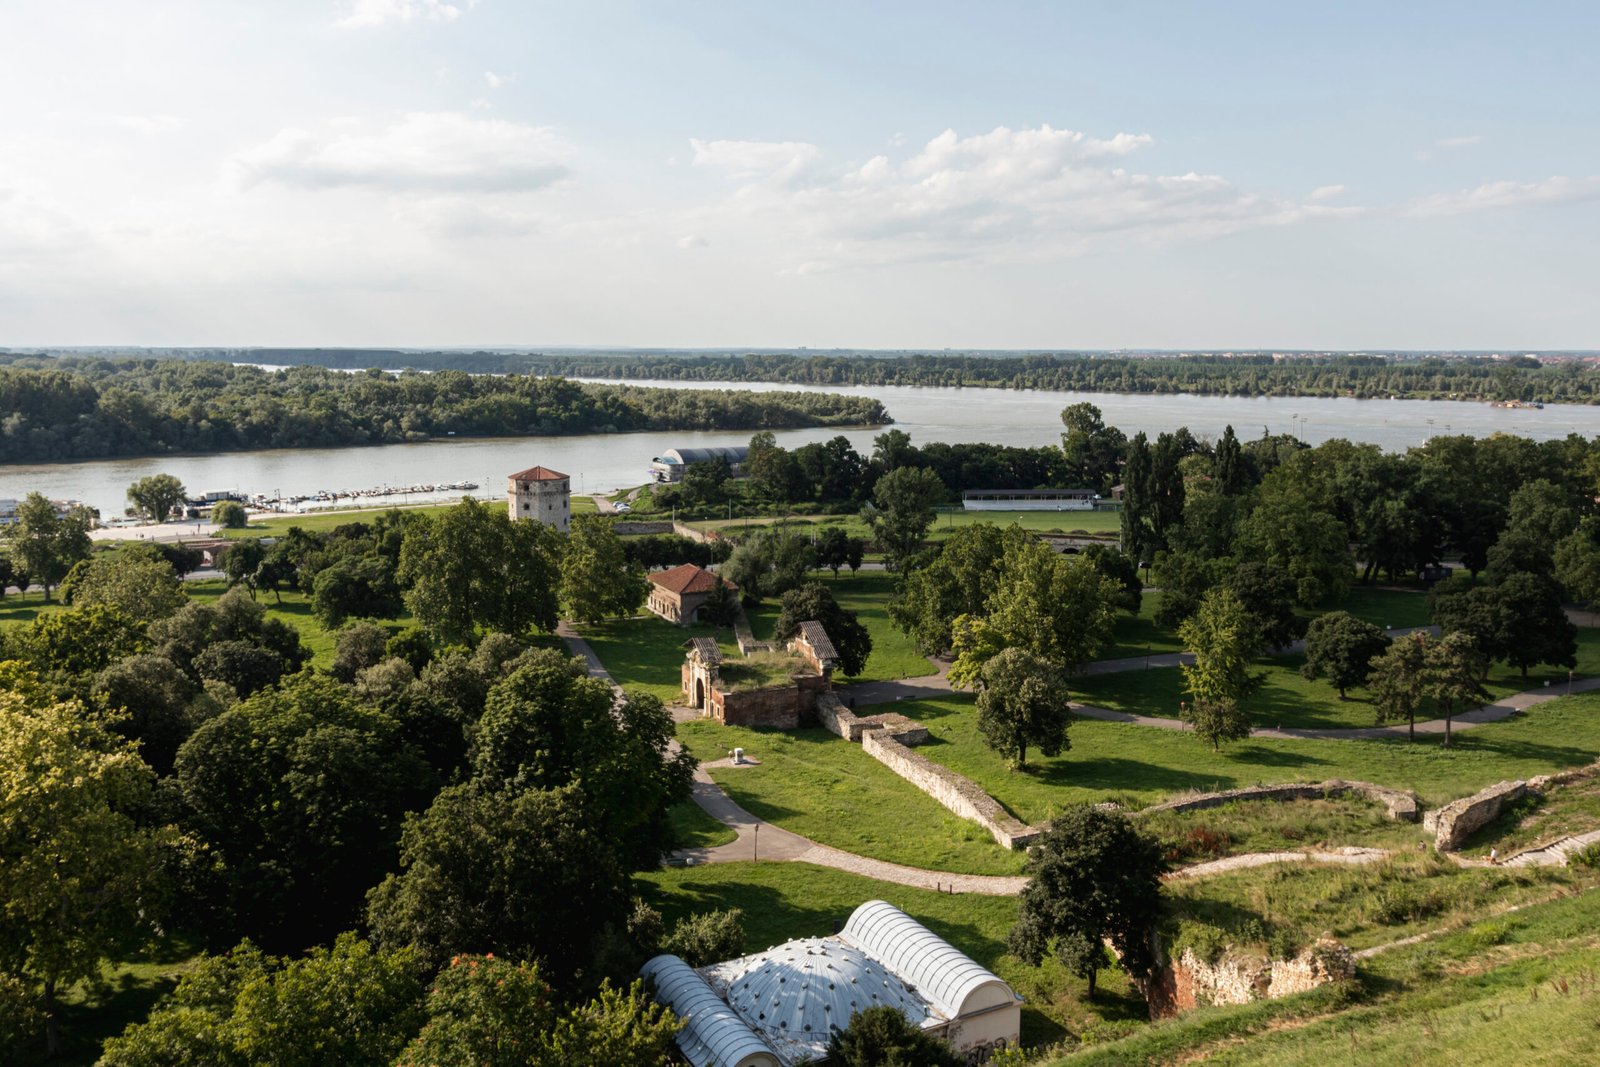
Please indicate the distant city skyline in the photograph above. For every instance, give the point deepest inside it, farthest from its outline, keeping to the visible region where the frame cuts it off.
(482, 173)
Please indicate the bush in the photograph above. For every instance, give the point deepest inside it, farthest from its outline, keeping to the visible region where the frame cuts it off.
(882, 1035)
(707, 937)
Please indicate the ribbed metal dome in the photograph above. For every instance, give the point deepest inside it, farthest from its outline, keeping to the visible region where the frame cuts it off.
(797, 993)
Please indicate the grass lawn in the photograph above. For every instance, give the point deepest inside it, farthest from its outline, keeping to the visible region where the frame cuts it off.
(1138, 635)
(823, 787)
(1272, 825)
(19, 609)
(867, 593)
(646, 652)
(693, 828)
(1386, 607)
(782, 901)
(1140, 765)
(947, 521)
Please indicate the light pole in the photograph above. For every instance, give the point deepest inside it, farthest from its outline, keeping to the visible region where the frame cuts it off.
(755, 848)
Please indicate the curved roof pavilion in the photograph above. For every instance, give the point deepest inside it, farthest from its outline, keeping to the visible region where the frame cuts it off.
(785, 1003)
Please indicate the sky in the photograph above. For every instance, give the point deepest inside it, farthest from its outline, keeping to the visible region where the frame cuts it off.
(929, 175)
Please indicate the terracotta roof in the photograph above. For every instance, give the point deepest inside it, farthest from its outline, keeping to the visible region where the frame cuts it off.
(818, 639)
(685, 578)
(537, 474)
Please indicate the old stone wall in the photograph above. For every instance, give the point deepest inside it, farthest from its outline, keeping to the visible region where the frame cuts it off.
(1190, 982)
(834, 717)
(1401, 805)
(1453, 823)
(960, 794)
(778, 707)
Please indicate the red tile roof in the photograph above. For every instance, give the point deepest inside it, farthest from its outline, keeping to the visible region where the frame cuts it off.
(537, 474)
(685, 578)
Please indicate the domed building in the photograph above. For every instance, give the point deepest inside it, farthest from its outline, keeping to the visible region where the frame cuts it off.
(781, 1007)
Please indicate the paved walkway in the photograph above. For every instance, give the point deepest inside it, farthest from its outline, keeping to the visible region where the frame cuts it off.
(1350, 855)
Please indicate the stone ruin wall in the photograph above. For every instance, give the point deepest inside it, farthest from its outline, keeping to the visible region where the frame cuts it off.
(959, 794)
(1190, 982)
(1401, 806)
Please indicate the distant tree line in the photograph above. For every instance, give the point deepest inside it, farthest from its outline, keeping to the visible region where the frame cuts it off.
(79, 408)
(1471, 378)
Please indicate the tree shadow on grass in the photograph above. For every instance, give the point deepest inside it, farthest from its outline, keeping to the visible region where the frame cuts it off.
(1111, 773)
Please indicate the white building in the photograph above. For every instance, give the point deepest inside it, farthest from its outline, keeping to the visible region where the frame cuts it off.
(542, 495)
(780, 1007)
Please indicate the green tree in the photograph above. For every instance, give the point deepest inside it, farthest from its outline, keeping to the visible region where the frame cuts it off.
(157, 496)
(905, 500)
(1399, 680)
(1122, 570)
(154, 705)
(45, 546)
(524, 874)
(814, 602)
(1022, 700)
(1094, 877)
(882, 1035)
(353, 587)
(769, 563)
(1092, 449)
(707, 937)
(80, 870)
(956, 582)
(1138, 534)
(1343, 648)
(1228, 470)
(142, 585)
(597, 580)
(1223, 638)
(1267, 594)
(1312, 547)
(1060, 608)
(547, 725)
(357, 646)
(619, 1026)
(472, 567)
(230, 515)
(241, 560)
(301, 793)
(1543, 633)
(1454, 670)
(343, 1004)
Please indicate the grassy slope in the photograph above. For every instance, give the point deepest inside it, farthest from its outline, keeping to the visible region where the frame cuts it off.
(328, 520)
(1140, 765)
(820, 786)
(693, 828)
(947, 521)
(1514, 990)
(1269, 825)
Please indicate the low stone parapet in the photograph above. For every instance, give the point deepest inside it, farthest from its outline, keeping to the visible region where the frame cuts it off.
(956, 792)
(1190, 982)
(1455, 822)
(1401, 806)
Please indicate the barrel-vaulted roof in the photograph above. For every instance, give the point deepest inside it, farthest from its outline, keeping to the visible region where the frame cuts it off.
(713, 1035)
(947, 977)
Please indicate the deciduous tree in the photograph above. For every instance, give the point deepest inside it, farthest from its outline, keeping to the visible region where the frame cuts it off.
(814, 601)
(1342, 647)
(905, 500)
(1022, 701)
(45, 546)
(1224, 640)
(597, 581)
(1094, 878)
(157, 496)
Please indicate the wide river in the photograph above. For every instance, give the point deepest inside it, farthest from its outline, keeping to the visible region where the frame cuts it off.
(603, 462)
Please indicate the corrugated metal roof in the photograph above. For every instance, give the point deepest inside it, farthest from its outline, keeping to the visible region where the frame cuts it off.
(818, 639)
(713, 1034)
(707, 648)
(732, 453)
(935, 968)
(796, 994)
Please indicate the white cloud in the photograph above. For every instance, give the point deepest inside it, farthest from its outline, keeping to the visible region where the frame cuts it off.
(150, 123)
(750, 159)
(429, 151)
(365, 13)
(1328, 192)
(1459, 142)
(1494, 195)
(1011, 195)
(495, 81)
(690, 240)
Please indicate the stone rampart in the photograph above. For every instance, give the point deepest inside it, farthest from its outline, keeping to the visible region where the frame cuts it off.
(1402, 806)
(836, 718)
(961, 795)
(1190, 982)
(1455, 822)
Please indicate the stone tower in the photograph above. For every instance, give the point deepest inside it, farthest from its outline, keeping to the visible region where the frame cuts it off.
(542, 495)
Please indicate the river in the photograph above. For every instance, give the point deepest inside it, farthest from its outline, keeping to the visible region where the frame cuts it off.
(604, 462)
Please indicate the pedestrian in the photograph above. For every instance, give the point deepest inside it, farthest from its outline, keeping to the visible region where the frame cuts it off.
(1494, 856)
